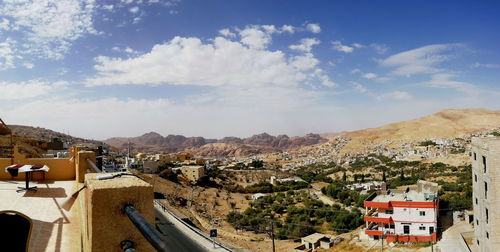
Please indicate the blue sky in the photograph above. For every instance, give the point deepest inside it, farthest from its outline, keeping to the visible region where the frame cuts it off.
(99, 69)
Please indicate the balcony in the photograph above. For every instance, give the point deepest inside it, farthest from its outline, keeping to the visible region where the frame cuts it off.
(379, 219)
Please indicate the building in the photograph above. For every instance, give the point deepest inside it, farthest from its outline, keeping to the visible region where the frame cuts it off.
(192, 173)
(315, 241)
(64, 220)
(150, 166)
(403, 215)
(485, 197)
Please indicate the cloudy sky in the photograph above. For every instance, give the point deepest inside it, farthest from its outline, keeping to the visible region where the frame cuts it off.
(99, 69)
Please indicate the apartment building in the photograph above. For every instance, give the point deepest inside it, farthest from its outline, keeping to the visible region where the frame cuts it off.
(193, 173)
(485, 195)
(408, 215)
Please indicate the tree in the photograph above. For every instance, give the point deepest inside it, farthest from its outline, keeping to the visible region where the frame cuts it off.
(402, 176)
(344, 177)
(362, 178)
(383, 176)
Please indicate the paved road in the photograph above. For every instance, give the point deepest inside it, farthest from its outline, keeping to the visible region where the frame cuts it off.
(175, 238)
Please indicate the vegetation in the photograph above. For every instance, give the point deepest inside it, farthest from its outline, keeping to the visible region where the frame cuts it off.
(428, 143)
(266, 187)
(293, 220)
(318, 172)
(338, 191)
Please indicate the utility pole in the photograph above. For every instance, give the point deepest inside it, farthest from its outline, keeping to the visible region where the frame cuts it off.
(382, 242)
(272, 231)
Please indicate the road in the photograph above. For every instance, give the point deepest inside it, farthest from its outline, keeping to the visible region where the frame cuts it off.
(177, 240)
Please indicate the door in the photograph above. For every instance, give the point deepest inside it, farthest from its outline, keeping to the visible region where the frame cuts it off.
(406, 229)
(431, 230)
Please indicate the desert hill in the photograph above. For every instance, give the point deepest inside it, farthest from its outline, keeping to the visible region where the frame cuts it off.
(448, 123)
(227, 146)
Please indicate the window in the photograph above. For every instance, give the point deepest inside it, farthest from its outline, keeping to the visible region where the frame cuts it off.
(477, 222)
(406, 229)
(485, 190)
(422, 213)
(484, 163)
(475, 156)
(392, 226)
(421, 228)
(475, 177)
(487, 235)
(389, 211)
(476, 201)
(487, 215)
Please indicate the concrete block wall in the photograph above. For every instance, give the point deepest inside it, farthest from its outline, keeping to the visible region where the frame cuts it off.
(487, 233)
(107, 225)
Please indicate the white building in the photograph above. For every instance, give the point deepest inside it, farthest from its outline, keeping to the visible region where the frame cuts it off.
(403, 215)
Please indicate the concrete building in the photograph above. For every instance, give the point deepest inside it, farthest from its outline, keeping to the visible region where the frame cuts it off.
(315, 241)
(485, 192)
(403, 215)
(193, 173)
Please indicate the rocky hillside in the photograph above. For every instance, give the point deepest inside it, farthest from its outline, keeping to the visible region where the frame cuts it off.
(448, 123)
(47, 135)
(227, 146)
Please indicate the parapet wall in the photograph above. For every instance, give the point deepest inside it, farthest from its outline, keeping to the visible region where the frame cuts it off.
(106, 223)
(60, 168)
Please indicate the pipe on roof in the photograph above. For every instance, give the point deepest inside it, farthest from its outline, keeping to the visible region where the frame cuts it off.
(145, 228)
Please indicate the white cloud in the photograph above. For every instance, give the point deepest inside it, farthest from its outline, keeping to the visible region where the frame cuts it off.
(421, 60)
(360, 88)
(305, 44)
(227, 33)
(480, 65)
(108, 7)
(369, 76)
(337, 45)
(314, 28)
(396, 95)
(357, 45)
(134, 9)
(355, 71)
(50, 26)
(255, 37)
(7, 54)
(28, 65)
(443, 80)
(130, 50)
(4, 24)
(222, 62)
(24, 90)
(288, 28)
(136, 20)
(379, 48)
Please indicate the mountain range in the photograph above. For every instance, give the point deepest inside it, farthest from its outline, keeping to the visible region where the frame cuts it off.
(232, 146)
(448, 123)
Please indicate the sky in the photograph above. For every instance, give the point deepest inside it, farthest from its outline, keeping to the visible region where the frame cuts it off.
(100, 69)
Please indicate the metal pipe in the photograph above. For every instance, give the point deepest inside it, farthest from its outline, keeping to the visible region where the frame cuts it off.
(145, 228)
(93, 165)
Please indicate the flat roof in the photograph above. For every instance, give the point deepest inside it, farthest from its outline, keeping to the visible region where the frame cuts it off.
(412, 195)
(54, 229)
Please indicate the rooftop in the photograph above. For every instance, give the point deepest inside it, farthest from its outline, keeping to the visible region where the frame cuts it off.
(313, 238)
(54, 229)
(424, 192)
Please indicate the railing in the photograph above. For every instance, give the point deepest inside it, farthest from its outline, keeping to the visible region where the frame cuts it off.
(192, 228)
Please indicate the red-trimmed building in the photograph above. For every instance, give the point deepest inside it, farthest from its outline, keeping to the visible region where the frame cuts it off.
(403, 215)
